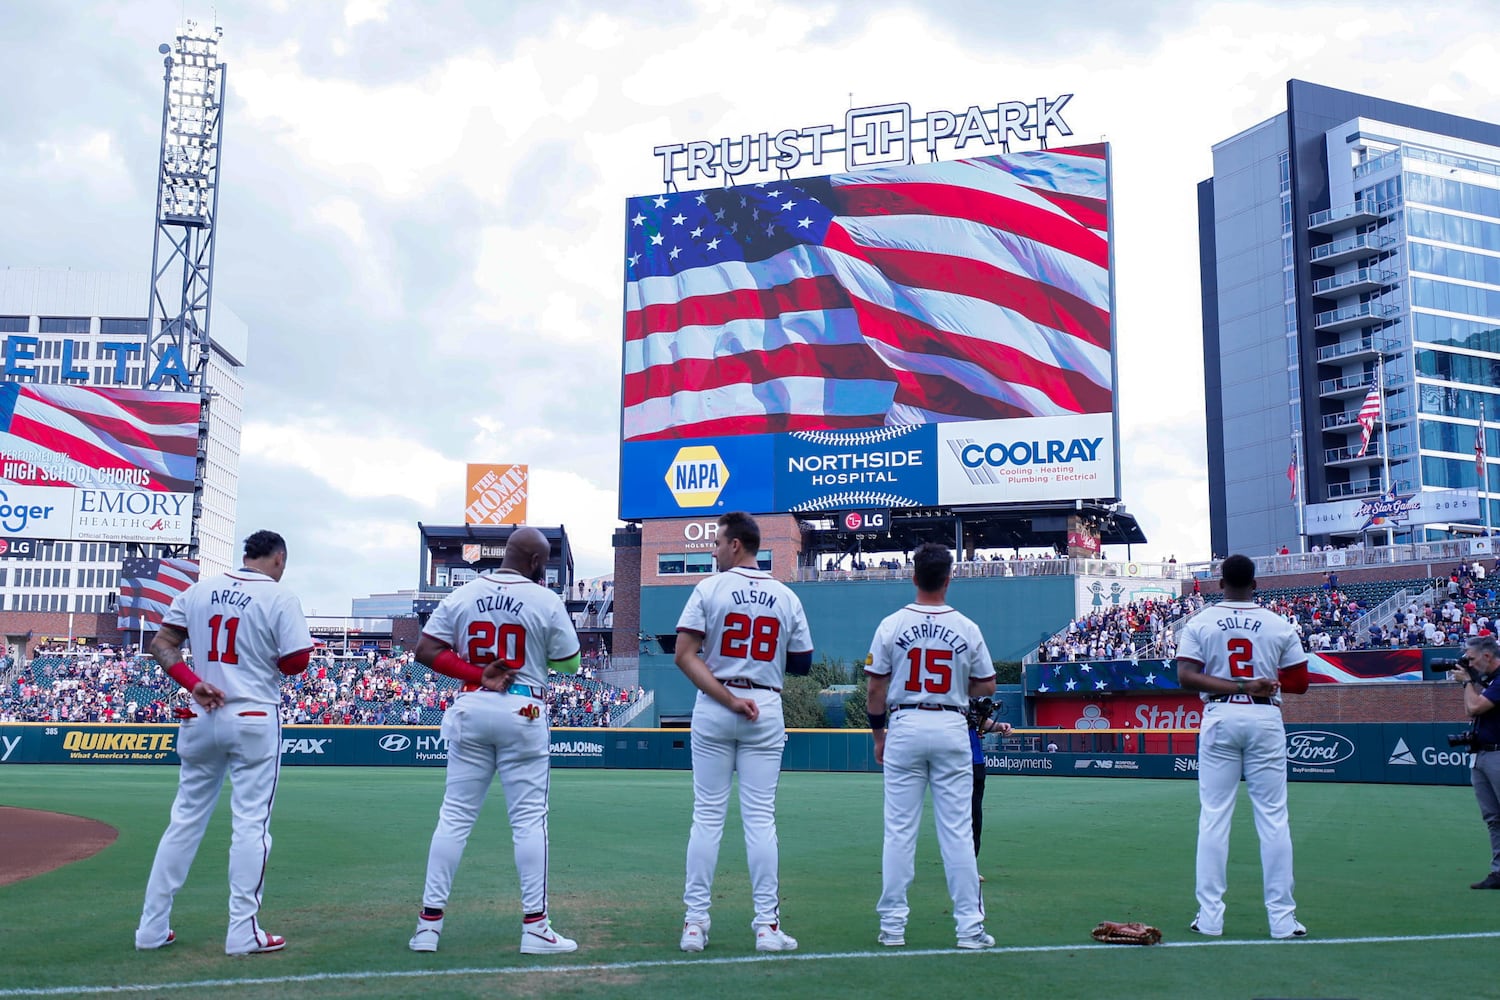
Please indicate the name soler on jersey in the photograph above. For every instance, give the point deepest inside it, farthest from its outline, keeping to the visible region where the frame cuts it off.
(932, 630)
(1248, 624)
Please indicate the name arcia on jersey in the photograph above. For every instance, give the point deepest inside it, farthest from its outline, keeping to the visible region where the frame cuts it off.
(234, 597)
(499, 602)
(1233, 621)
(932, 630)
(753, 597)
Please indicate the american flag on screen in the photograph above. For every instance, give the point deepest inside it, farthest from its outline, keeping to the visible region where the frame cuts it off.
(970, 289)
(99, 429)
(147, 587)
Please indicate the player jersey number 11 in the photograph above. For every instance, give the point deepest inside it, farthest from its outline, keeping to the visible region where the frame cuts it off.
(223, 653)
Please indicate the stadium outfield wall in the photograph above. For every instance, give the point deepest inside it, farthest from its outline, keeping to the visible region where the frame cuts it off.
(1390, 753)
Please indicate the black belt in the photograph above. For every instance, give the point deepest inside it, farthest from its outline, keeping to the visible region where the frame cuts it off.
(1244, 699)
(740, 682)
(1486, 747)
(929, 708)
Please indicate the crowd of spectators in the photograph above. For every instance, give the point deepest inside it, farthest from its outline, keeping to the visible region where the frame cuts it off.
(100, 684)
(1121, 632)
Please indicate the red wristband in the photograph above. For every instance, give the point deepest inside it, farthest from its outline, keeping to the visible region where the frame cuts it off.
(183, 674)
(450, 663)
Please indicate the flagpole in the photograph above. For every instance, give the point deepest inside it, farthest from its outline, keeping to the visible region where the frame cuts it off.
(1482, 455)
(1297, 486)
(1385, 443)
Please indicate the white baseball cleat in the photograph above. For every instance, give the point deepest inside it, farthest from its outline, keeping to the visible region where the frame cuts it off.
(976, 942)
(171, 936)
(892, 939)
(1297, 931)
(426, 936)
(1197, 928)
(540, 939)
(772, 938)
(694, 937)
(265, 944)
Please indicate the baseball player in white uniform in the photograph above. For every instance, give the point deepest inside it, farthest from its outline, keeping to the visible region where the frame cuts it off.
(926, 661)
(740, 632)
(246, 632)
(1242, 656)
(500, 634)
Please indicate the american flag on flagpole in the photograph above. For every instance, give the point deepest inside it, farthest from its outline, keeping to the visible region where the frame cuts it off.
(1291, 472)
(1479, 467)
(1369, 413)
(147, 588)
(152, 436)
(968, 289)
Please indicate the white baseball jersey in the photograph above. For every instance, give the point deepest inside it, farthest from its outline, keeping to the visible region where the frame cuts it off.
(239, 624)
(749, 622)
(504, 616)
(1239, 640)
(930, 652)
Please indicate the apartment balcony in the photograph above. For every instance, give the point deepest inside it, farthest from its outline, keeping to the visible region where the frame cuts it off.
(1366, 279)
(1350, 317)
(1363, 245)
(1355, 385)
(1359, 213)
(1364, 349)
(1344, 457)
(1358, 488)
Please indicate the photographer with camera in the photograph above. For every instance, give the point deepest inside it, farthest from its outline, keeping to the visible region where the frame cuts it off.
(980, 722)
(1478, 671)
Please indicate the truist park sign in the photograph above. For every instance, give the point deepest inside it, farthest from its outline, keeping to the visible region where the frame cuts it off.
(872, 136)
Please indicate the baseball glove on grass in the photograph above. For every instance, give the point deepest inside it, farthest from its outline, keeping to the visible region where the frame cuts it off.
(1110, 932)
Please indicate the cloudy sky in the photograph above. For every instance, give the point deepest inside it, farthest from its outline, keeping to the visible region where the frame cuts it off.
(422, 207)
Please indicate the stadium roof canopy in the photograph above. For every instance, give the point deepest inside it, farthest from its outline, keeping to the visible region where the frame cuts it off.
(1014, 527)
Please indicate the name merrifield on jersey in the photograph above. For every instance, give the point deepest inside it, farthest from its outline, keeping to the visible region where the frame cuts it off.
(932, 630)
(1233, 621)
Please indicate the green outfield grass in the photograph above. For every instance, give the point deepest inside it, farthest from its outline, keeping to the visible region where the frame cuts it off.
(1060, 854)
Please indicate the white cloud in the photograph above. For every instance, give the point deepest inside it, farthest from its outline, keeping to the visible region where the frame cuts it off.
(359, 464)
(357, 12)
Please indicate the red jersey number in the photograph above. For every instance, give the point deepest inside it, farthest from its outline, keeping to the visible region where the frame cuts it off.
(1241, 652)
(489, 642)
(937, 664)
(225, 652)
(747, 638)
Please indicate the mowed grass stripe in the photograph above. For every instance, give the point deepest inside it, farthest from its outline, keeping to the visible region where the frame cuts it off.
(1060, 854)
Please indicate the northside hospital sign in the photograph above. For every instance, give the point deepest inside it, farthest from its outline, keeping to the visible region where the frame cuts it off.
(880, 134)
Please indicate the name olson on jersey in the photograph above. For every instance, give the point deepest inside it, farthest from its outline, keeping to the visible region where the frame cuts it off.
(855, 469)
(753, 597)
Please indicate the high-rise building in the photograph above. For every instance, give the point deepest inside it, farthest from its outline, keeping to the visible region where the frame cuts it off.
(1347, 237)
(87, 310)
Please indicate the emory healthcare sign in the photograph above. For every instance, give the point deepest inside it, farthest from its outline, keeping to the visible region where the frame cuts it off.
(496, 494)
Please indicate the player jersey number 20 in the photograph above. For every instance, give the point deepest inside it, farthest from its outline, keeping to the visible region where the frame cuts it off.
(747, 638)
(489, 642)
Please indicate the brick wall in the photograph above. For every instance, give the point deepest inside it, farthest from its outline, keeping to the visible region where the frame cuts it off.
(627, 598)
(1397, 701)
(53, 625)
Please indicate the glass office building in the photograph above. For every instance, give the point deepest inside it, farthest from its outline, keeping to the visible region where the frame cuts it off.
(1348, 243)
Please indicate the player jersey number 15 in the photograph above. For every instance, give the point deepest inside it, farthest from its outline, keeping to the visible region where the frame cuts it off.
(935, 664)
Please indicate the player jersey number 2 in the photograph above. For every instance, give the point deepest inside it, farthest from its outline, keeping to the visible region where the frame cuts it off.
(222, 631)
(747, 638)
(931, 670)
(1241, 652)
(489, 642)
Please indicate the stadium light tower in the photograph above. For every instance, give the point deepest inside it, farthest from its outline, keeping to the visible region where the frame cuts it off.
(187, 208)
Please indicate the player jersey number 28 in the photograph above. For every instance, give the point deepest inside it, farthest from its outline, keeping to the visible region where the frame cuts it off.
(489, 642)
(750, 638)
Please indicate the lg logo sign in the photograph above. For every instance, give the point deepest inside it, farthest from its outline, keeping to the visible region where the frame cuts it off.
(867, 520)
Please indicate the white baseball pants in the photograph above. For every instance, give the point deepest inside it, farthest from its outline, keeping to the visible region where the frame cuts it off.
(487, 736)
(1250, 740)
(925, 749)
(724, 742)
(242, 741)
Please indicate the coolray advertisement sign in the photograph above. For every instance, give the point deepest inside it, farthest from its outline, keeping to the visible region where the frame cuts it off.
(940, 303)
(97, 463)
(1035, 458)
(1395, 510)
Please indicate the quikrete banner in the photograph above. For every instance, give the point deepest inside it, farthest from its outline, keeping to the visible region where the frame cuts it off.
(1389, 753)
